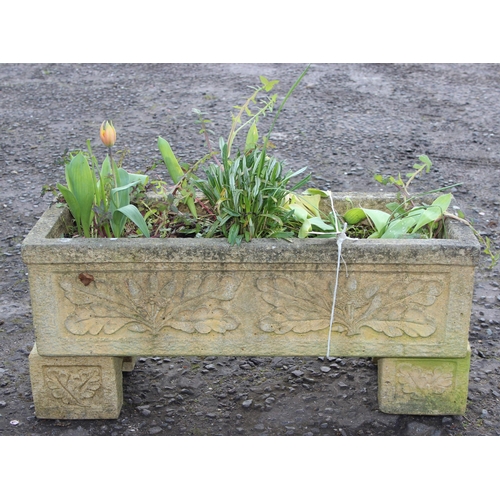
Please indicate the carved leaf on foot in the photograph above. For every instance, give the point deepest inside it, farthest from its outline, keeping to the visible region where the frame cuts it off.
(420, 381)
(73, 385)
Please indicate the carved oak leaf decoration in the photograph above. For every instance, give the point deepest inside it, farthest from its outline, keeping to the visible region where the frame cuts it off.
(96, 310)
(399, 322)
(401, 309)
(421, 381)
(204, 320)
(400, 328)
(152, 302)
(394, 308)
(201, 308)
(298, 306)
(73, 385)
(95, 320)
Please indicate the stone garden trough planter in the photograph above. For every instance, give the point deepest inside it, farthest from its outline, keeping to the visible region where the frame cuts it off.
(98, 303)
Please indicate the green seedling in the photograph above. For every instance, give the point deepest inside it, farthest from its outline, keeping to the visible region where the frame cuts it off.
(177, 174)
(79, 192)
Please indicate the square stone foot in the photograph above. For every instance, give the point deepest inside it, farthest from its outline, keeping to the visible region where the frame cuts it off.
(76, 387)
(423, 386)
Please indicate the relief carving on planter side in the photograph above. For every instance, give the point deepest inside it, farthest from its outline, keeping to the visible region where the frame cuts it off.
(418, 381)
(151, 302)
(395, 307)
(73, 385)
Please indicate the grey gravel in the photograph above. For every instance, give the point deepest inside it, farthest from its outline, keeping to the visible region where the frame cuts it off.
(345, 123)
(420, 429)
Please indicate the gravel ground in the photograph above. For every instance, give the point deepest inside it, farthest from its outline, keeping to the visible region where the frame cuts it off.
(345, 122)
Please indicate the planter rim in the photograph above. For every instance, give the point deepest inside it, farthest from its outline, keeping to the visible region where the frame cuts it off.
(43, 245)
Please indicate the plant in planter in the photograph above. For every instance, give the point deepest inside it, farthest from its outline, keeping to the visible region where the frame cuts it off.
(100, 203)
(260, 277)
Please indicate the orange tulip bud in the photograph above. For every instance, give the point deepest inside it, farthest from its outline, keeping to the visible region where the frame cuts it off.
(108, 134)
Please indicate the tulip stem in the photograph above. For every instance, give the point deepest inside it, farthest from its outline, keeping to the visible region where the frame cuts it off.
(113, 169)
(112, 164)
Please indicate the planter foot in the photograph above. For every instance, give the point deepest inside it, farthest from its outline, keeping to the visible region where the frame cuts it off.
(423, 386)
(129, 363)
(76, 387)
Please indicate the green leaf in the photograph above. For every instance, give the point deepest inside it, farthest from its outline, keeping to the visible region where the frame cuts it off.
(105, 179)
(314, 191)
(399, 227)
(121, 193)
(299, 212)
(233, 237)
(189, 200)
(80, 180)
(73, 206)
(434, 212)
(268, 85)
(305, 229)
(252, 137)
(106, 169)
(381, 179)
(124, 187)
(395, 207)
(443, 201)
(378, 218)
(282, 234)
(174, 169)
(321, 224)
(425, 159)
(143, 179)
(428, 215)
(132, 213)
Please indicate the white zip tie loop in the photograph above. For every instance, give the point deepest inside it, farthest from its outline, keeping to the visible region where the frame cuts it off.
(341, 237)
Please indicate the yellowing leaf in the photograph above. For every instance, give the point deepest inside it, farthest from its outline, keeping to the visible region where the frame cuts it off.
(268, 85)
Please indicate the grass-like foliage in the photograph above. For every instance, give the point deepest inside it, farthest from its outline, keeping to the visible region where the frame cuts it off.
(248, 195)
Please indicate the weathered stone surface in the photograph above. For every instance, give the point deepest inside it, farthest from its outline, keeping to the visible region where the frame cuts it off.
(423, 386)
(76, 387)
(129, 297)
(129, 363)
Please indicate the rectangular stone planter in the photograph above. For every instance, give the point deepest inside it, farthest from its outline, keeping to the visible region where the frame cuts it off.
(165, 297)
